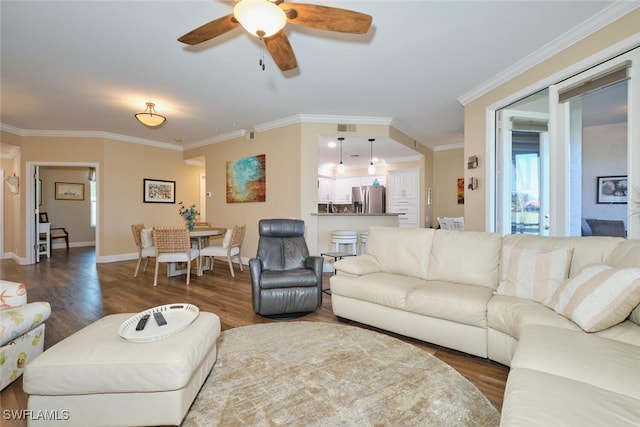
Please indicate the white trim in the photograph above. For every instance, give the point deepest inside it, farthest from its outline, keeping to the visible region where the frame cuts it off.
(11, 153)
(456, 146)
(595, 23)
(30, 167)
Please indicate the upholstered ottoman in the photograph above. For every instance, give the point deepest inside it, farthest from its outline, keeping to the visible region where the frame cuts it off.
(97, 378)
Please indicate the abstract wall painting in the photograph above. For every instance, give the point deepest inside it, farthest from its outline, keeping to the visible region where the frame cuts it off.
(247, 180)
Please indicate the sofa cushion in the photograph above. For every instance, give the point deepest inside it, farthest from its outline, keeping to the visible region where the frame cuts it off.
(533, 273)
(401, 250)
(358, 265)
(604, 363)
(381, 288)
(465, 304)
(598, 297)
(538, 399)
(16, 321)
(586, 250)
(510, 314)
(467, 257)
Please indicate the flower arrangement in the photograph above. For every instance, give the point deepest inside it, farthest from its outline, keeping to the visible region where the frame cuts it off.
(189, 213)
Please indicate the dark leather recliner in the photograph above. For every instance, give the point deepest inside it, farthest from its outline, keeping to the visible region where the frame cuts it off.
(284, 278)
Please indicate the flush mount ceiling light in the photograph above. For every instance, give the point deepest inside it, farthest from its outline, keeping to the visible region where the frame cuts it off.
(372, 168)
(149, 117)
(341, 165)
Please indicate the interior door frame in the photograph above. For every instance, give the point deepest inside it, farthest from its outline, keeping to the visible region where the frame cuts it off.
(32, 210)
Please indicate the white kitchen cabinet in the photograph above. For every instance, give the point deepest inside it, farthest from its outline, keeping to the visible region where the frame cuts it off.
(325, 190)
(404, 184)
(403, 191)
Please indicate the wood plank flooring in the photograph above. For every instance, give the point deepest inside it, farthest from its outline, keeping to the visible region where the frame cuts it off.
(81, 291)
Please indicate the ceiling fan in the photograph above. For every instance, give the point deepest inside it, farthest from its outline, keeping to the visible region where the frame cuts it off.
(266, 20)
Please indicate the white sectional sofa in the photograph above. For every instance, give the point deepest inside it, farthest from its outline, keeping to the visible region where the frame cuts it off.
(561, 312)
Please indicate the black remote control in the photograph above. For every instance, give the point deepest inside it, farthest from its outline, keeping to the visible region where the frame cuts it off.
(142, 322)
(160, 320)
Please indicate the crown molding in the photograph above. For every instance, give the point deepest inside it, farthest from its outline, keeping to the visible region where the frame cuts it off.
(10, 152)
(445, 147)
(88, 134)
(215, 139)
(598, 21)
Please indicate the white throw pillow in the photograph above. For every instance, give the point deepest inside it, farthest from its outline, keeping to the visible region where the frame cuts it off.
(598, 296)
(146, 238)
(226, 239)
(532, 273)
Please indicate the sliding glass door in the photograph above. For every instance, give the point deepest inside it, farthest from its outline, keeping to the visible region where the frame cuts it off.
(568, 157)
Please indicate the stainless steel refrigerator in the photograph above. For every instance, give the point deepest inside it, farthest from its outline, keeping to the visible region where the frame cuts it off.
(368, 199)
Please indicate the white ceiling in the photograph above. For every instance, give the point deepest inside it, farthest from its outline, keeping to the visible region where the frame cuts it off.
(88, 66)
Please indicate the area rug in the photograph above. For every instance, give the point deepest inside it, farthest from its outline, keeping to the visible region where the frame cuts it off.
(320, 374)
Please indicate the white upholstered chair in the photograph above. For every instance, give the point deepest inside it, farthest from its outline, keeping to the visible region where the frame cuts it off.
(451, 223)
(144, 242)
(229, 248)
(173, 244)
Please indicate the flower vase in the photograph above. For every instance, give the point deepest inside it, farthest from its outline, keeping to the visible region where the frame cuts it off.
(190, 224)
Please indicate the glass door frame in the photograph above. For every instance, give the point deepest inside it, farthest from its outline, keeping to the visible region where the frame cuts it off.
(559, 204)
(560, 130)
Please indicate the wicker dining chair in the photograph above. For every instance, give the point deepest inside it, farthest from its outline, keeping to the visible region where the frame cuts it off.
(173, 244)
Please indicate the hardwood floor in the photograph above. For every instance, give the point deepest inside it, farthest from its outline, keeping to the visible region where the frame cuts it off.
(81, 291)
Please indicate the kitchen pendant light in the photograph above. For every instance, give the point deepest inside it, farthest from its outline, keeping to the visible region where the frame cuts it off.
(372, 168)
(341, 165)
(149, 117)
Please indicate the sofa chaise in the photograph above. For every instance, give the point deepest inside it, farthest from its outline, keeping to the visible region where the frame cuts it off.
(561, 312)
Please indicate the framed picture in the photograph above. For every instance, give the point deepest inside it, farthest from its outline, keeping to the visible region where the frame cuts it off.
(159, 191)
(69, 191)
(612, 189)
(247, 179)
(461, 191)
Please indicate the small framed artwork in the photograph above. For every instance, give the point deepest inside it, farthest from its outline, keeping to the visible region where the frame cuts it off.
(69, 191)
(159, 191)
(461, 191)
(612, 189)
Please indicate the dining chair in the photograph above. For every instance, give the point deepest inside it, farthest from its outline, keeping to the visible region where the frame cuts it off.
(144, 242)
(55, 232)
(173, 244)
(229, 248)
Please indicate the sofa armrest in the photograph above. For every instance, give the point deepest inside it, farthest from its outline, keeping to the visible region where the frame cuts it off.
(358, 265)
(12, 294)
(17, 321)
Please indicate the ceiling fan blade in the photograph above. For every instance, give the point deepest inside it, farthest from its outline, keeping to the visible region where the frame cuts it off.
(210, 30)
(281, 51)
(327, 18)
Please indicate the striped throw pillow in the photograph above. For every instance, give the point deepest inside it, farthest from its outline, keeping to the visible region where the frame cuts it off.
(598, 296)
(532, 273)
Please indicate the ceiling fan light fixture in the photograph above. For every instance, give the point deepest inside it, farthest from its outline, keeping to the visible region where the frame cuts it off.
(149, 117)
(261, 18)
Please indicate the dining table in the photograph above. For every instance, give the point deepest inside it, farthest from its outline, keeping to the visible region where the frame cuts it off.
(201, 236)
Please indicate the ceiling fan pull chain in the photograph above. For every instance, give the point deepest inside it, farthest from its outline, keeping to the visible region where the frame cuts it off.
(261, 62)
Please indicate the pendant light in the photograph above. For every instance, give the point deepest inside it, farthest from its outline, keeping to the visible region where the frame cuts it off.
(372, 168)
(341, 165)
(149, 117)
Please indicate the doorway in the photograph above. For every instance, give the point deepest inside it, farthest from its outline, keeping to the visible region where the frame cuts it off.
(65, 209)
